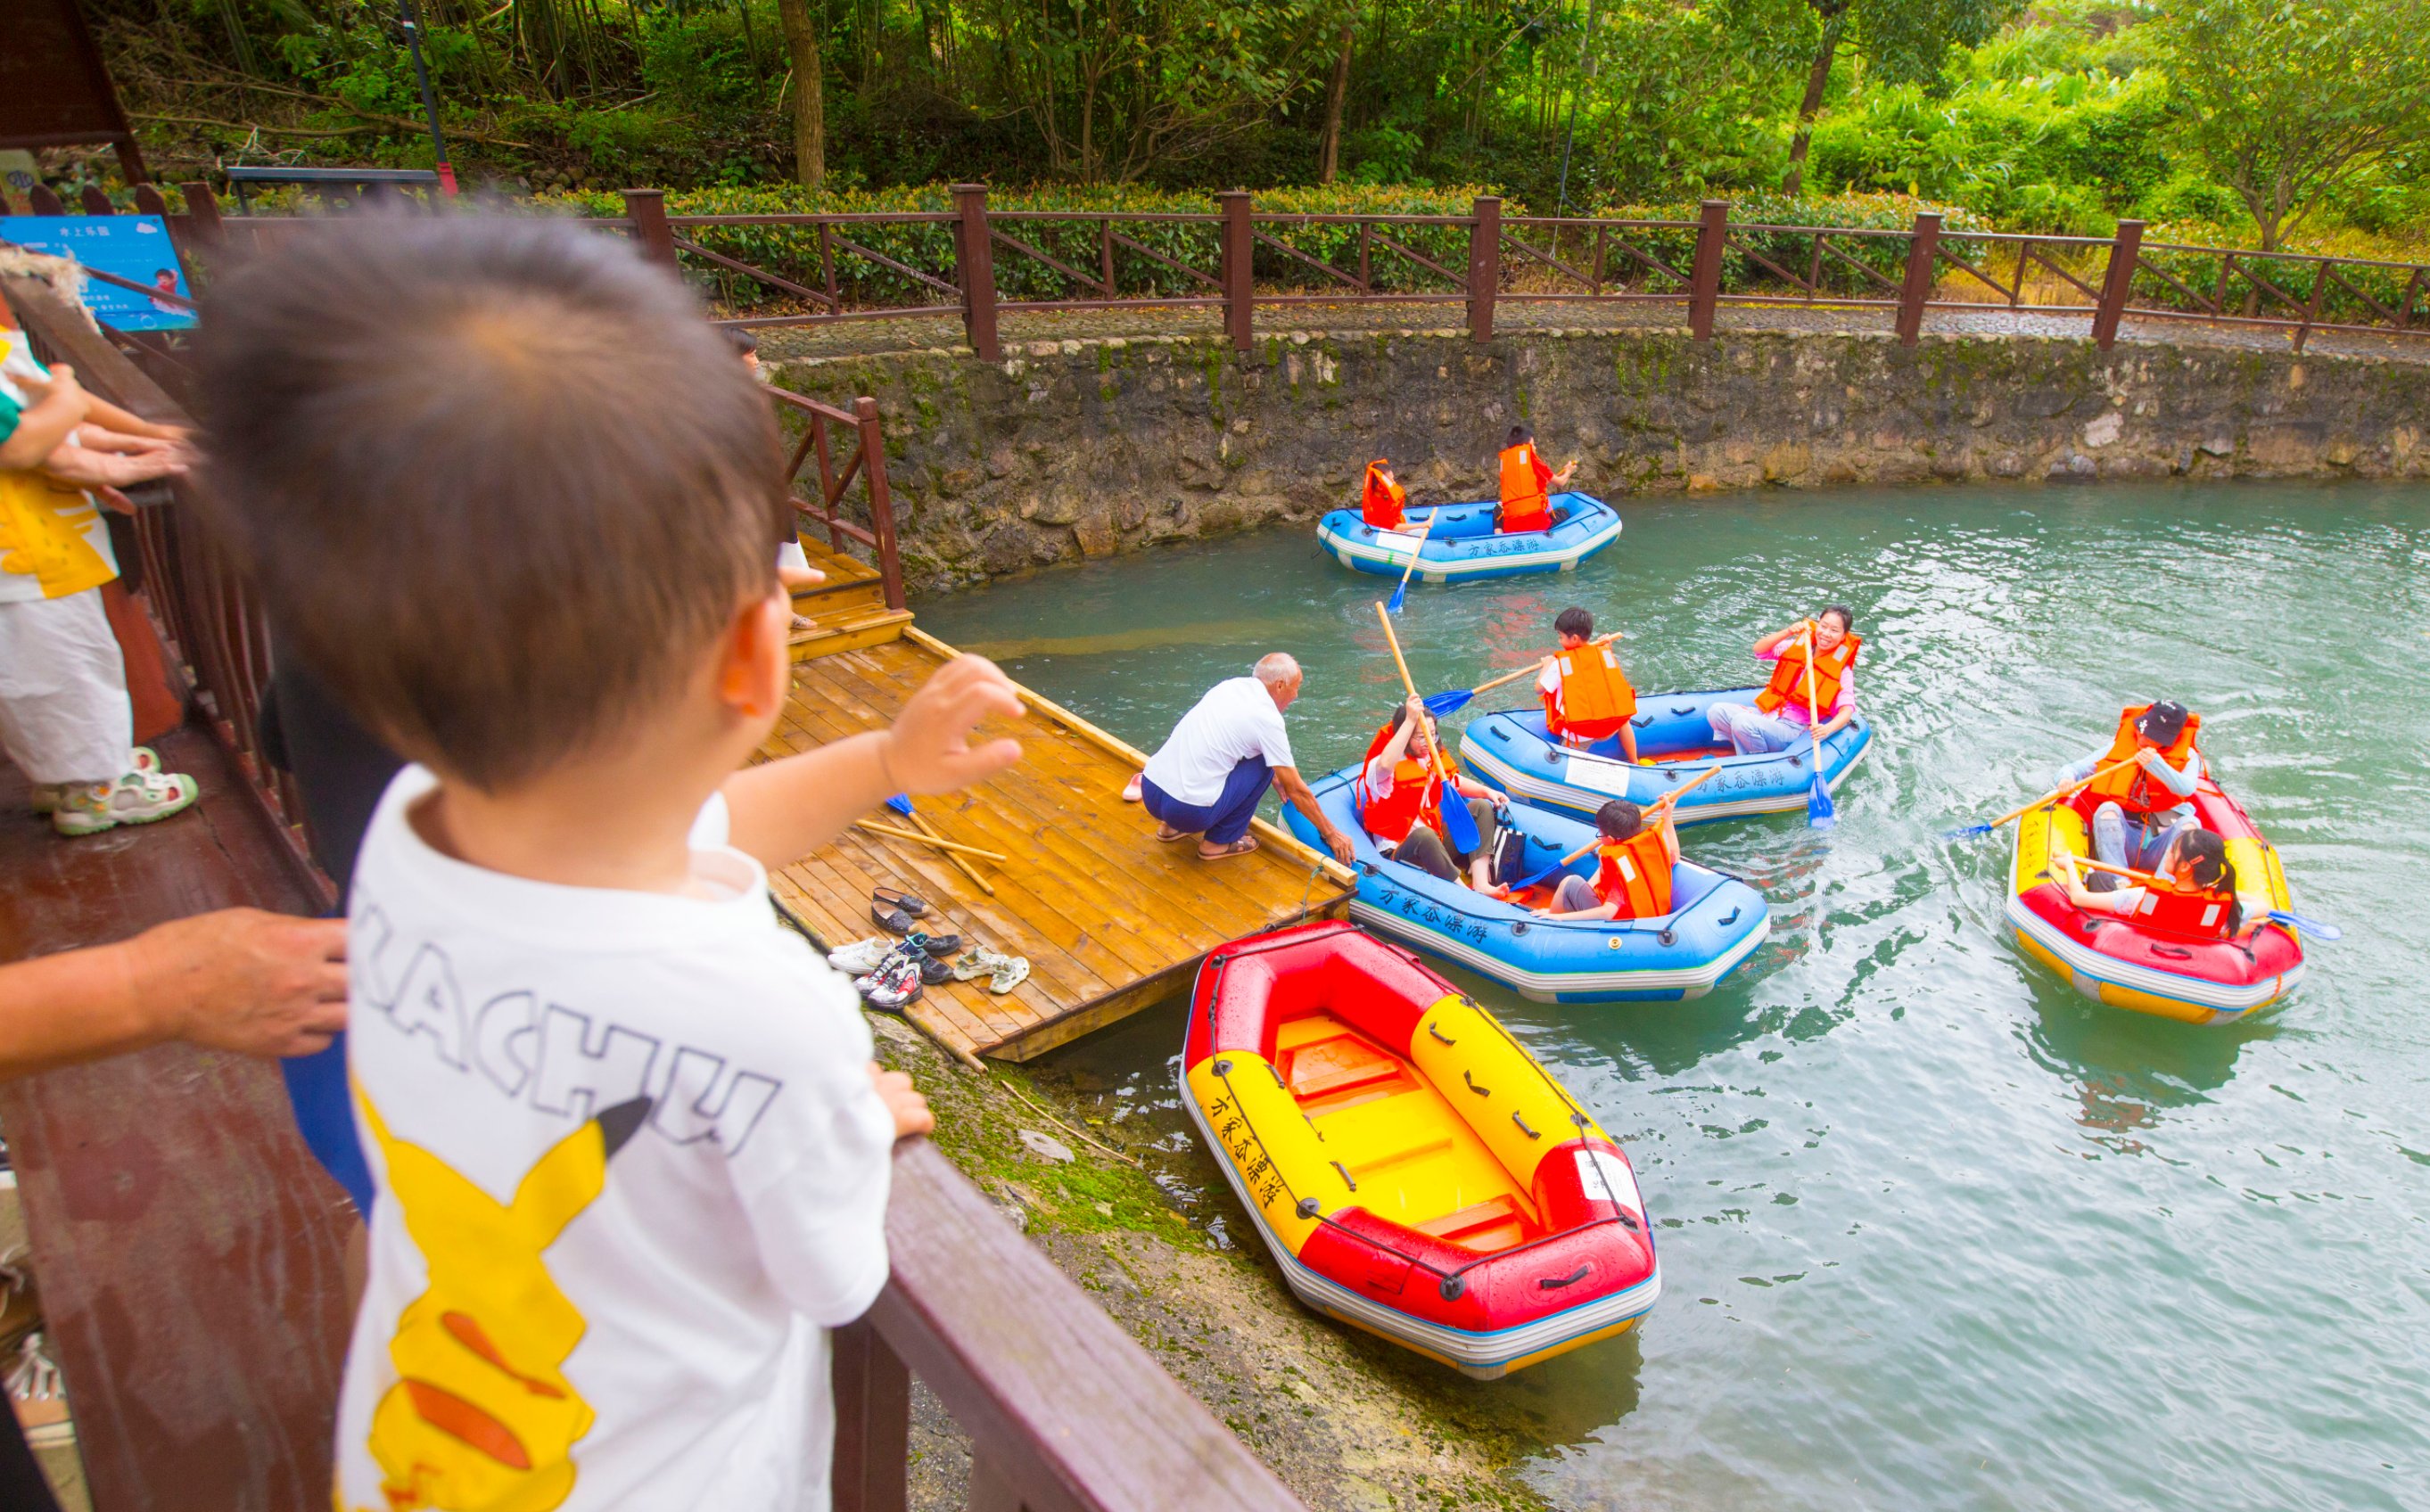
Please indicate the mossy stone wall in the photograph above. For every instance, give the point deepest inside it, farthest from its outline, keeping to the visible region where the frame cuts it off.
(1076, 449)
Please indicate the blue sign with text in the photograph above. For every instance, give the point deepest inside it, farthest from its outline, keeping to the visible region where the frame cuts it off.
(133, 247)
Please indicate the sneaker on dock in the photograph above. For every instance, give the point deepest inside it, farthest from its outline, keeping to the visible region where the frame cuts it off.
(137, 798)
(47, 797)
(894, 985)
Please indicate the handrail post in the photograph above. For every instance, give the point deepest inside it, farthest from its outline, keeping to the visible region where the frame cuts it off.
(1923, 249)
(1704, 278)
(44, 200)
(202, 215)
(974, 259)
(95, 202)
(1240, 239)
(1484, 266)
(2118, 283)
(881, 498)
(2313, 310)
(647, 209)
(872, 1440)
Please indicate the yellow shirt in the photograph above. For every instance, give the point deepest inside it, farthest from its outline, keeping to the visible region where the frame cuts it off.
(53, 541)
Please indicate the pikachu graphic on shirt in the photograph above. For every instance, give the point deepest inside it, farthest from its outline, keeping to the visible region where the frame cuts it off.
(482, 1415)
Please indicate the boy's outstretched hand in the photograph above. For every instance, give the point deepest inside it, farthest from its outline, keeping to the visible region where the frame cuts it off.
(901, 1100)
(930, 751)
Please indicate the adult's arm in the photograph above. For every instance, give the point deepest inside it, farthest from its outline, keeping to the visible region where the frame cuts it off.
(1300, 796)
(259, 984)
(2078, 771)
(59, 405)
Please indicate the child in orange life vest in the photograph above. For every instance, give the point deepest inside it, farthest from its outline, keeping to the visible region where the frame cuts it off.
(2198, 900)
(1632, 869)
(1777, 719)
(2136, 813)
(1380, 500)
(1527, 485)
(1587, 697)
(1398, 798)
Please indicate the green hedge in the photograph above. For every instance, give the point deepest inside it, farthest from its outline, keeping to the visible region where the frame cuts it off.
(792, 252)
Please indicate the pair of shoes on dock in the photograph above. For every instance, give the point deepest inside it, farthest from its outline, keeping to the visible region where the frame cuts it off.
(1004, 973)
(894, 910)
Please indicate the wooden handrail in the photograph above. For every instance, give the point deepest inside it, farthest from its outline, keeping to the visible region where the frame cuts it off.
(1065, 1411)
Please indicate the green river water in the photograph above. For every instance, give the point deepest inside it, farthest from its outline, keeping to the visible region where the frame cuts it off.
(1935, 1230)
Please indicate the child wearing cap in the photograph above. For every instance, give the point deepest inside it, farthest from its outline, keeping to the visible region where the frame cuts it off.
(2138, 810)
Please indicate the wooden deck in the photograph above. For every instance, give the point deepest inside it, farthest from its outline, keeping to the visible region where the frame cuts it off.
(1110, 920)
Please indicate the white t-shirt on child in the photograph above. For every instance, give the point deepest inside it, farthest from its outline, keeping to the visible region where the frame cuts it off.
(630, 1167)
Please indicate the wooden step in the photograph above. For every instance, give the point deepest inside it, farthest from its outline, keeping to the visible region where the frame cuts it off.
(848, 629)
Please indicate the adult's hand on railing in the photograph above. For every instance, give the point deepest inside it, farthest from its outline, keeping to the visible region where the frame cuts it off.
(903, 1100)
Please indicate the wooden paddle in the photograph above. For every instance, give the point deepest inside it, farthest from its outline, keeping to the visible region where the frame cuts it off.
(1819, 812)
(1401, 594)
(900, 804)
(954, 846)
(1460, 826)
(1453, 700)
(2051, 797)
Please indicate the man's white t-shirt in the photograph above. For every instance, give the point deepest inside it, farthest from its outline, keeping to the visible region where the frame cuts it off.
(1237, 720)
(630, 1167)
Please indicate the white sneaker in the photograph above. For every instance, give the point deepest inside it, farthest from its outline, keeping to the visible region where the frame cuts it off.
(861, 956)
(137, 798)
(47, 797)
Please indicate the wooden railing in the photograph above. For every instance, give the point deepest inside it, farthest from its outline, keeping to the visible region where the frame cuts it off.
(867, 462)
(975, 264)
(1064, 1411)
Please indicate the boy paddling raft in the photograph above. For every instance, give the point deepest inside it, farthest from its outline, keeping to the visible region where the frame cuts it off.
(1587, 697)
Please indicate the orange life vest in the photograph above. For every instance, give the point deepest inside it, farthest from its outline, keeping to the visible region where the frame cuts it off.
(2202, 913)
(1595, 698)
(1414, 796)
(1380, 504)
(1525, 505)
(1788, 686)
(2132, 787)
(1635, 874)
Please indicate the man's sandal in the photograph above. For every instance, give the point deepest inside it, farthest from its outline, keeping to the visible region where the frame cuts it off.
(1239, 847)
(1167, 834)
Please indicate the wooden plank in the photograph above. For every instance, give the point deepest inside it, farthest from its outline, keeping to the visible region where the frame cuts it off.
(190, 1247)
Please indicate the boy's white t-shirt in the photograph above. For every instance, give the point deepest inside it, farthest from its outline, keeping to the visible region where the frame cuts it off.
(641, 1330)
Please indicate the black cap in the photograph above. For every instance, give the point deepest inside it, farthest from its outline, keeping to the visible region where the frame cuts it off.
(2163, 721)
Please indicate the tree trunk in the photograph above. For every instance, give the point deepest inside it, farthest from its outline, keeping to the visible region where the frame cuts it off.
(1328, 154)
(810, 94)
(1807, 108)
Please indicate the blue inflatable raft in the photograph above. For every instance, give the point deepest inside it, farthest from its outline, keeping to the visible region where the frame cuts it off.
(1716, 923)
(1511, 751)
(1463, 546)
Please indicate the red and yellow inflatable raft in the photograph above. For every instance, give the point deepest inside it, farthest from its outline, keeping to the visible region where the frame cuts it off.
(1414, 1172)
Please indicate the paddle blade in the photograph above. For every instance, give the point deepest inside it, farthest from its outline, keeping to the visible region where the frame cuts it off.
(1964, 832)
(900, 804)
(1400, 595)
(1460, 824)
(1819, 812)
(2313, 928)
(1450, 701)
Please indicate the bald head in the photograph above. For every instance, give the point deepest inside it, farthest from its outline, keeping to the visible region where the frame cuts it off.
(1281, 676)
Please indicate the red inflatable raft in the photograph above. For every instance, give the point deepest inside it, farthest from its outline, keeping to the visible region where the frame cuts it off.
(1414, 1170)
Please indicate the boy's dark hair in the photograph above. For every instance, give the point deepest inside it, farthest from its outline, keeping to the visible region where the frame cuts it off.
(1519, 436)
(1847, 616)
(742, 339)
(1619, 820)
(500, 483)
(1575, 621)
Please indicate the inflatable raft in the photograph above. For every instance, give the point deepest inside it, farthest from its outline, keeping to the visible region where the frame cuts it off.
(1716, 921)
(1463, 546)
(1511, 751)
(1414, 1172)
(2128, 964)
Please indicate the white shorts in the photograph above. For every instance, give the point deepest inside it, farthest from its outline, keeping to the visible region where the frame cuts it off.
(63, 711)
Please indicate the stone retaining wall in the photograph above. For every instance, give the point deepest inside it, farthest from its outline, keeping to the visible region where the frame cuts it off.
(1079, 449)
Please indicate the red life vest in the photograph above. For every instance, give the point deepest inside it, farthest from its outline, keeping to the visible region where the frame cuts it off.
(1788, 686)
(1525, 505)
(1635, 874)
(2201, 913)
(1595, 698)
(1380, 504)
(2132, 787)
(1415, 796)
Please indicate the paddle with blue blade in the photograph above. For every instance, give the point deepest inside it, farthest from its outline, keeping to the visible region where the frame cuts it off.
(1401, 594)
(1653, 813)
(900, 804)
(1459, 825)
(1968, 831)
(1451, 700)
(1819, 812)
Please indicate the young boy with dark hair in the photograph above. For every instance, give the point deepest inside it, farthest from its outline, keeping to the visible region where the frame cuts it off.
(509, 495)
(1633, 864)
(1587, 697)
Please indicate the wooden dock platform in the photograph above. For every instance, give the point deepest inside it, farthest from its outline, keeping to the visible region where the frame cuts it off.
(1110, 920)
